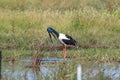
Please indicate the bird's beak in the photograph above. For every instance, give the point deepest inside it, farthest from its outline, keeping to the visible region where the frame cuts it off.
(52, 34)
(50, 37)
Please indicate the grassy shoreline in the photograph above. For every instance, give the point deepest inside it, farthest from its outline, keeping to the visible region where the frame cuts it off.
(99, 55)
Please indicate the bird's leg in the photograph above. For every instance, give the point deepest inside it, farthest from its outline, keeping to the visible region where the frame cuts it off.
(64, 51)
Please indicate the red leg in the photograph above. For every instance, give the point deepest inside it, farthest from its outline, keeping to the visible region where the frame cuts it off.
(64, 51)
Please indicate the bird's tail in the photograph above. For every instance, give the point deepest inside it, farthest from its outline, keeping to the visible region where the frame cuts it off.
(76, 43)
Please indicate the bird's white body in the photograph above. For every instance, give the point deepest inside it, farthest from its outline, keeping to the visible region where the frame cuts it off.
(61, 37)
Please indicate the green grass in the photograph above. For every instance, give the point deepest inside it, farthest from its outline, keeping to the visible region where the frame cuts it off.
(97, 55)
(93, 23)
(21, 29)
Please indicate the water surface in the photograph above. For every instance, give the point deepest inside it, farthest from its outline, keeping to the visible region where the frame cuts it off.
(59, 69)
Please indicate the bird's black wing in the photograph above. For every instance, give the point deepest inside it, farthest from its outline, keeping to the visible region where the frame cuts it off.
(69, 37)
(71, 41)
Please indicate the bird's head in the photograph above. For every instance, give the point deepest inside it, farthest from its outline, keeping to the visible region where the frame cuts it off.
(52, 32)
(49, 29)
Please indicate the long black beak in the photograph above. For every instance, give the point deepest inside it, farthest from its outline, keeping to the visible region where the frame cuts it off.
(50, 37)
(51, 34)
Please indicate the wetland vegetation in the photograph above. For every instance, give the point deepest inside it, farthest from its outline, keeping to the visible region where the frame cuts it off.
(94, 24)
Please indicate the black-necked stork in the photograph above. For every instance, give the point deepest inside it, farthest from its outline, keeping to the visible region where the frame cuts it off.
(63, 38)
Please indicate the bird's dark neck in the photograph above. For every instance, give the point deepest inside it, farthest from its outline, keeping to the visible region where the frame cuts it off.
(56, 33)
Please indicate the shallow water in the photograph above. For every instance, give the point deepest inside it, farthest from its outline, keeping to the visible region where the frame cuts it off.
(58, 69)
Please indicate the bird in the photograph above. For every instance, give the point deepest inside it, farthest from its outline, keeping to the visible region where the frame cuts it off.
(63, 38)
